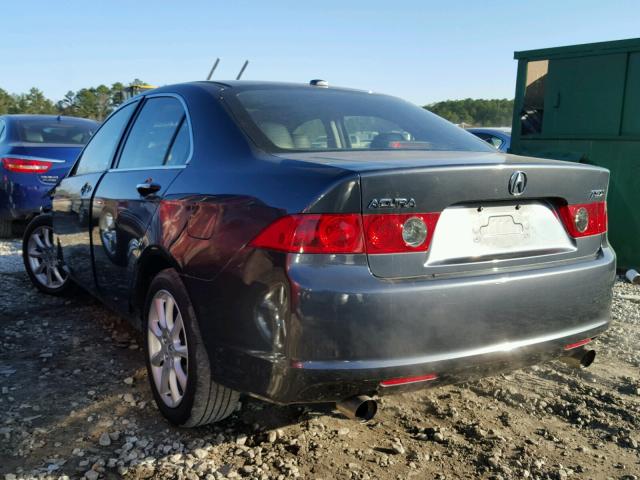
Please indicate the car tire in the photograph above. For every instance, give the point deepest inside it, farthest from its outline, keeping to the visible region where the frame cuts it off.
(6, 229)
(42, 258)
(177, 361)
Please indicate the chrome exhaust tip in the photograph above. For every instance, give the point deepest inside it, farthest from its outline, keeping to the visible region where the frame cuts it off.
(362, 408)
(633, 276)
(579, 358)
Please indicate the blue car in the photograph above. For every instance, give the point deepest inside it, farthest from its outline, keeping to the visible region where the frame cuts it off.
(498, 137)
(35, 151)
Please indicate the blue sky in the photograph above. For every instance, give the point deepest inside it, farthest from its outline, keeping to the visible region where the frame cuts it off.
(424, 51)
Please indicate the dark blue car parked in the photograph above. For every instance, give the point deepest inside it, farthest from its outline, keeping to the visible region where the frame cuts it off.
(35, 151)
(305, 243)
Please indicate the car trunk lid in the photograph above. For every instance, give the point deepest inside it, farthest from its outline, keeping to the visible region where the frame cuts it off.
(483, 223)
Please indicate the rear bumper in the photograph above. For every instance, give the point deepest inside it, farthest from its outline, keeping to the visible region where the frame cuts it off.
(348, 330)
(287, 382)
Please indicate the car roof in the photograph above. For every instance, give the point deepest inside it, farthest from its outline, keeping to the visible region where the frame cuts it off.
(241, 85)
(252, 84)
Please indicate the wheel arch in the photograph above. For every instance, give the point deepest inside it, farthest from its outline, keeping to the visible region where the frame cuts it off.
(151, 261)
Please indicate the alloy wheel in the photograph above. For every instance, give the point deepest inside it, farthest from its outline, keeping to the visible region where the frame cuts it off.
(44, 260)
(167, 348)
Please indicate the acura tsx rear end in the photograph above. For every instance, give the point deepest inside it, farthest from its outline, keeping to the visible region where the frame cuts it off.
(310, 244)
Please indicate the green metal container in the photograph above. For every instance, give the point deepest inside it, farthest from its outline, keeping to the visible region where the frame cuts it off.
(582, 103)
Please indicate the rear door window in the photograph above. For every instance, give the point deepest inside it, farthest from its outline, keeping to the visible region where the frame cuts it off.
(98, 154)
(159, 136)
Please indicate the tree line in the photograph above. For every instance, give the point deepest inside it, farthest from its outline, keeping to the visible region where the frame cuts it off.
(93, 102)
(98, 102)
(475, 112)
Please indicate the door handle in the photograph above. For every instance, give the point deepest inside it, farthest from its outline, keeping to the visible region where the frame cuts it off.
(86, 188)
(147, 188)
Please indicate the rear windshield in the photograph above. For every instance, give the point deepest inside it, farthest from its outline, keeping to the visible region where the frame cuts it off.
(55, 131)
(321, 119)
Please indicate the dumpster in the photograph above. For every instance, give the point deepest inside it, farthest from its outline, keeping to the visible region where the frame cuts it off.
(581, 103)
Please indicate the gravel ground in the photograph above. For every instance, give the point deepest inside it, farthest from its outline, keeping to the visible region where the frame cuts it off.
(74, 403)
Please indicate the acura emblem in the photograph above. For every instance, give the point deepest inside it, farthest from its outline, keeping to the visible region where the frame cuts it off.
(517, 183)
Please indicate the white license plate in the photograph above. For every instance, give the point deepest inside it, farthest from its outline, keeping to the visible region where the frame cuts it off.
(496, 231)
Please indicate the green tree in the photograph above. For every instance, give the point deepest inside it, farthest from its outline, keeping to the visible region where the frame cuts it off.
(6, 102)
(67, 106)
(117, 94)
(93, 102)
(476, 112)
(32, 102)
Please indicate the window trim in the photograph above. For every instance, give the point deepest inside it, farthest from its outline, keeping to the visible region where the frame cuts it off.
(125, 137)
(74, 168)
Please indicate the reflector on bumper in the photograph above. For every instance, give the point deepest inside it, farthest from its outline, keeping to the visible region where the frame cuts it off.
(394, 382)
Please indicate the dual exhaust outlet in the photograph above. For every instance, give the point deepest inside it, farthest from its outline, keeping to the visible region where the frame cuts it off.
(363, 408)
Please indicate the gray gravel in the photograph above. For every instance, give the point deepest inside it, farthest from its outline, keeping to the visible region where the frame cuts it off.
(74, 403)
(10, 256)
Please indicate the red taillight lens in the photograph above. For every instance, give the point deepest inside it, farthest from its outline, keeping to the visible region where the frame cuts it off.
(582, 220)
(22, 165)
(314, 233)
(387, 233)
(349, 233)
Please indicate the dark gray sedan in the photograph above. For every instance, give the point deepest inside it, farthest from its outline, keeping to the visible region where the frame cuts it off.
(308, 244)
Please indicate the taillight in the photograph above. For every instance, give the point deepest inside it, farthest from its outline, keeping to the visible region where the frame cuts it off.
(582, 220)
(398, 233)
(313, 233)
(349, 233)
(23, 165)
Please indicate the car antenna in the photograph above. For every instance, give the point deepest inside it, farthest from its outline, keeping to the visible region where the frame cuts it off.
(246, 62)
(215, 65)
